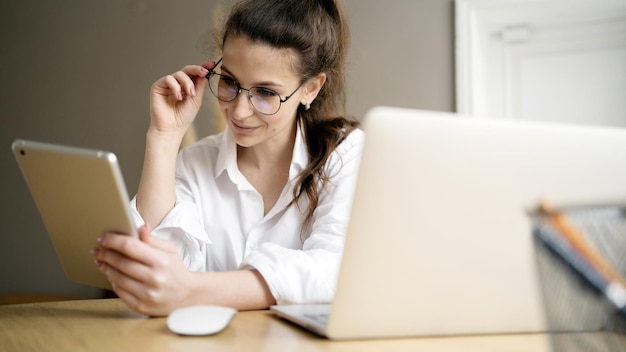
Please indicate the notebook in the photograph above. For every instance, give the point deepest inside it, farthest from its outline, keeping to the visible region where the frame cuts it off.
(80, 194)
(440, 238)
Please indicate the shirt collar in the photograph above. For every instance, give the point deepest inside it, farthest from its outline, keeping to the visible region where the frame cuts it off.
(227, 157)
(300, 157)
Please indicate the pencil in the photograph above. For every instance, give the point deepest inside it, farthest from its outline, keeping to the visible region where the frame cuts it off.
(561, 247)
(571, 234)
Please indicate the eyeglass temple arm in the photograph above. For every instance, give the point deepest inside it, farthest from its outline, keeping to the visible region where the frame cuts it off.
(211, 71)
(292, 93)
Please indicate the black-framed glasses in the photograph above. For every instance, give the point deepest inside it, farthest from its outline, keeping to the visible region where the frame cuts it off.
(263, 100)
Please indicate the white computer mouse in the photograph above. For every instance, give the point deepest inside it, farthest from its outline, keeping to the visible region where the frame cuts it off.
(200, 320)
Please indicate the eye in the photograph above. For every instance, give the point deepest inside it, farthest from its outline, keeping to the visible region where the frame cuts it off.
(228, 81)
(264, 92)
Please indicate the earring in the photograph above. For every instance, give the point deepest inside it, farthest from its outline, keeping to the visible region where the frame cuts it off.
(307, 106)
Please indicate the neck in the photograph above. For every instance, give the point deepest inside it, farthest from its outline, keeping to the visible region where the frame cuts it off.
(271, 154)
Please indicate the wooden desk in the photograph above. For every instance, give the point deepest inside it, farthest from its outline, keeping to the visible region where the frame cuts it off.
(108, 325)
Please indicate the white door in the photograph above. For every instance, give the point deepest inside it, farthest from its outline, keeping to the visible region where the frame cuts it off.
(554, 60)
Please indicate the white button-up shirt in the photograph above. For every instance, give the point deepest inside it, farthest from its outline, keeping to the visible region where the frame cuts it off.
(218, 222)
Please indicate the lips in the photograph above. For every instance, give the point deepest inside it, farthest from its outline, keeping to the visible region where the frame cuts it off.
(242, 129)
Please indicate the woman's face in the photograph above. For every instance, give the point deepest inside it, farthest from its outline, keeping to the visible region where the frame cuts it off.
(253, 64)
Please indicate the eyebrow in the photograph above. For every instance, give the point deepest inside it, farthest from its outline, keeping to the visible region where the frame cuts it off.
(258, 84)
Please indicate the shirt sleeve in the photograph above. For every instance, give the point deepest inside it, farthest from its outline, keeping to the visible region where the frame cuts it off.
(182, 227)
(310, 275)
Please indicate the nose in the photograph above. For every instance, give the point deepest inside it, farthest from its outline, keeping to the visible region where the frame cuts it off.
(242, 107)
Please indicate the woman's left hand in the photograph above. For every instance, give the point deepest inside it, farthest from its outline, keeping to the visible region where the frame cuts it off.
(146, 273)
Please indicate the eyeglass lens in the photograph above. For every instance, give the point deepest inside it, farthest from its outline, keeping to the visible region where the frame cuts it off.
(227, 89)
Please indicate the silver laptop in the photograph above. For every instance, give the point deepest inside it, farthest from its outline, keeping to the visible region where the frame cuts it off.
(440, 240)
(80, 194)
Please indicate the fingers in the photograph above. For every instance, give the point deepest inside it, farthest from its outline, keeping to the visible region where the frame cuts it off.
(121, 264)
(131, 300)
(138, 282)
(144, 232)
(184, 82)
(119, 281)
(180, 84)
(147, 249)
(155, 242)
(146, 273)
(144, 301)
(209, 65)
(125, 254)
(192, 77)
(134, 257)
(176, 98)
(130, 291)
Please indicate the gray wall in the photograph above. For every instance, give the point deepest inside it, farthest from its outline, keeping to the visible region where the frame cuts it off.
(402, 54)
(78, 73)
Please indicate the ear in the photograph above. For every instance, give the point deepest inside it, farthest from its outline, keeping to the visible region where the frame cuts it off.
(312, 88)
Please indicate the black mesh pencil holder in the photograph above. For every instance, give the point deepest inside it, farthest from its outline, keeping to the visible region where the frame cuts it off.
(582, 311)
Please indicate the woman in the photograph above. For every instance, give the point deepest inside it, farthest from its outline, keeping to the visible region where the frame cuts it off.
(256, 215)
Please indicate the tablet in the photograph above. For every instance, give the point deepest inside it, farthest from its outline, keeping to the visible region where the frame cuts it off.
(80, 194)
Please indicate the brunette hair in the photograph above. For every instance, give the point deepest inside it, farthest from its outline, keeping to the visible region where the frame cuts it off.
(317, 32)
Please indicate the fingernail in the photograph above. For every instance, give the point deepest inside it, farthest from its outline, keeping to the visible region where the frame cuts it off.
(99, 239)
(193, 91)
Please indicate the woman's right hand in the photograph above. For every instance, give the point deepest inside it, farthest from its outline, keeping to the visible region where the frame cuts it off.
(176, 98)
